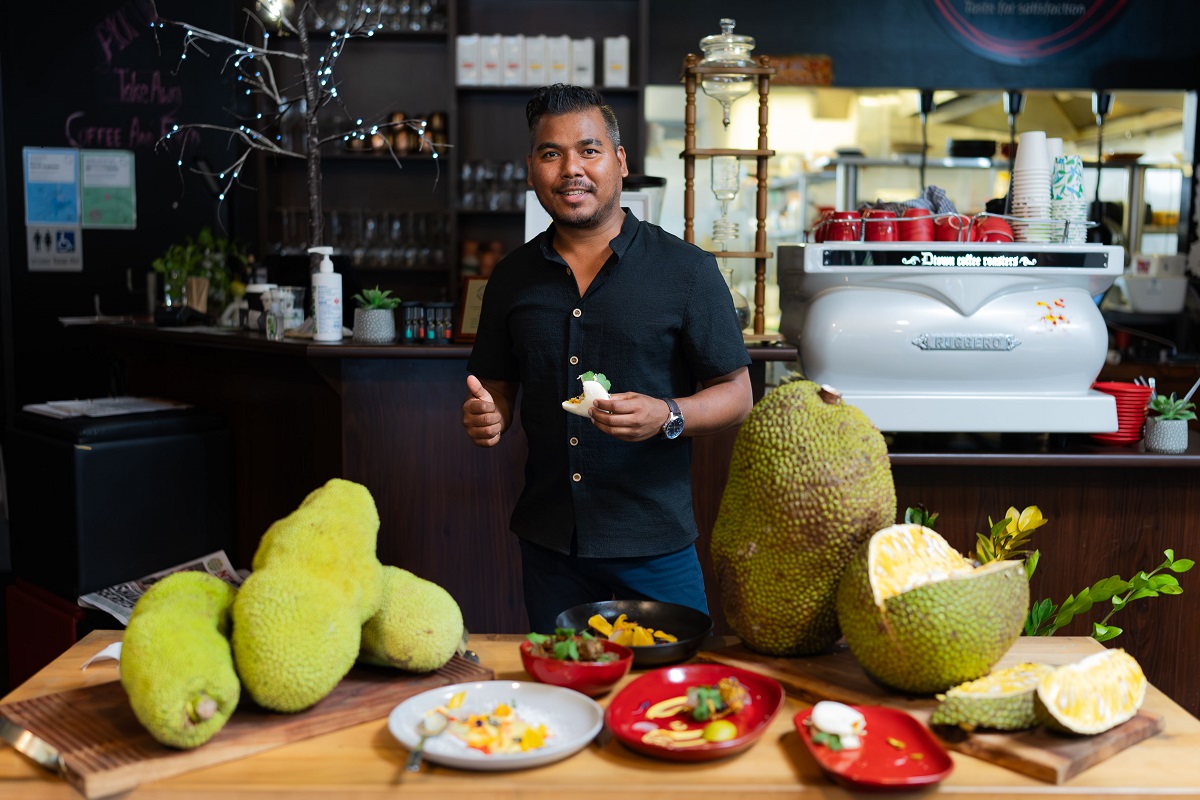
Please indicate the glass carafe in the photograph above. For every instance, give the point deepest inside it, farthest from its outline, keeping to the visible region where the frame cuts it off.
(740, 304)
(726, 49)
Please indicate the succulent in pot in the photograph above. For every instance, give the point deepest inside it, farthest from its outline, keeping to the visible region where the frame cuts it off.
(374, 317)
(1167, 423)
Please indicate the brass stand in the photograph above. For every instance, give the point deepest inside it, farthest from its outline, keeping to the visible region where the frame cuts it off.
(764, 71)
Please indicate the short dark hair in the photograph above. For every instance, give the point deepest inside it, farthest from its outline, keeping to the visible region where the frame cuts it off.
(561, 98)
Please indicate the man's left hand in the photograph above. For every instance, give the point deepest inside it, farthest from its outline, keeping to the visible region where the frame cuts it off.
(629, 416)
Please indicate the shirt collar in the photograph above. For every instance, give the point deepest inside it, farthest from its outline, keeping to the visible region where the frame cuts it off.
(618, 245)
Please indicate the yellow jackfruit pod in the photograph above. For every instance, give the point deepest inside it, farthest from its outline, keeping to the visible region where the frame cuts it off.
(642, 637)
(600, 625)
(666, 637)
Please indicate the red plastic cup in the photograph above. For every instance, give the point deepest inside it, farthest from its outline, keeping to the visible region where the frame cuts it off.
(879, 225)
(916, 225)
(843, 226)
(952, 229)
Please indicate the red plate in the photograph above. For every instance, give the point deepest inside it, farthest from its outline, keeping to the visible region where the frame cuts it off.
(878, 764)
(626, 714)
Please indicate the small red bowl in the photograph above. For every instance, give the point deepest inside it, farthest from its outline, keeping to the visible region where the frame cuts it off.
(592, 678)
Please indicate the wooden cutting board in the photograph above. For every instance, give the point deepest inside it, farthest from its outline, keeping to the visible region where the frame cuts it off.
(1038, 753)
(105, 750)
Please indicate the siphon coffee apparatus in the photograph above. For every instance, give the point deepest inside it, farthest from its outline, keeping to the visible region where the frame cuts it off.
(726, 49)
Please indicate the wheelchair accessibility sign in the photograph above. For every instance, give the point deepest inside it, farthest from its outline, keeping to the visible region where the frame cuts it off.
(53, 248)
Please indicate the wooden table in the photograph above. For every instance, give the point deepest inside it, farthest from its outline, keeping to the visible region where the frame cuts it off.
(366, 761)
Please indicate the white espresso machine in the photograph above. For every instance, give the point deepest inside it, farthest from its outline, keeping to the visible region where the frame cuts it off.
(954, 336)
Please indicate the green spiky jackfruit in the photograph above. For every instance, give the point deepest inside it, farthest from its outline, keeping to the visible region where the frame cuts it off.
(809, 480)
(1001, 700)
(298, 617)
(920, 617)
(418, 628)
(176, 664)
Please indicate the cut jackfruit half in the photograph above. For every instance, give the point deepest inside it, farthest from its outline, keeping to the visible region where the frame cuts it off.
(1093, 695)
(1001, 700)
(904, 557)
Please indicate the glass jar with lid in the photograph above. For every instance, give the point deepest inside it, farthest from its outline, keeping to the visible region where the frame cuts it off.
(726, 49)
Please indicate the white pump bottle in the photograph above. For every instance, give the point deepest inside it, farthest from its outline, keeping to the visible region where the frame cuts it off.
(327, 299)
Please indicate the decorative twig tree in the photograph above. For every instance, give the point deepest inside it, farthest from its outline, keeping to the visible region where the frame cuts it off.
(257, 65)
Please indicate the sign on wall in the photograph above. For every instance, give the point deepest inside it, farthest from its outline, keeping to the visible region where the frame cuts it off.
(1024, 31)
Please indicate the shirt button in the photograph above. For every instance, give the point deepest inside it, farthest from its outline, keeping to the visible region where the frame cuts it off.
(574, 360)
(574, 441)
(577, 313)
(568, 270)
(577, 477)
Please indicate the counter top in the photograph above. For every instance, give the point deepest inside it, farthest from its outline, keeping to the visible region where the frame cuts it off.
(366, 761)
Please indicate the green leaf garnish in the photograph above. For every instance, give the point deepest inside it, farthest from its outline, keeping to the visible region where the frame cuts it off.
(598, 377)
(830, 740)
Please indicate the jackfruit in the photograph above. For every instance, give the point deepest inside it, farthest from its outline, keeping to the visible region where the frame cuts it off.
(1093, 695)
(1001, 700)
(419, 627)
(809, 480)
(920, 617)
(298, 618)
(176, 665)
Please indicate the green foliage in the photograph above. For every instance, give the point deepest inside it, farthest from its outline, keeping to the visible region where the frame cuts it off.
(598, 377)
(1170, 408)
(1045, 618)
(374, 298)
(919, 515)
(218, 258)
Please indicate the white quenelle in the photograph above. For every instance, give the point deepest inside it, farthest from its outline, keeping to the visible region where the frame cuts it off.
(840, 720)
(593, 390)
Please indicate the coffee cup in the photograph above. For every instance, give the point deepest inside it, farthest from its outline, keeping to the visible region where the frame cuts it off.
(916, 225)
(879, 225)
(843, 226)
(954, 228)
(991, 229)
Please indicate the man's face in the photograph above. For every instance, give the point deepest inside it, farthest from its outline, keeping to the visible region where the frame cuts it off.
(574, 169)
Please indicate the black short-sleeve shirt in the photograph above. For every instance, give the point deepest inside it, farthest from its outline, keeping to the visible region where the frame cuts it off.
(657, 319)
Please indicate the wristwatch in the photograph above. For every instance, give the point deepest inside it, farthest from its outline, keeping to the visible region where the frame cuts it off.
(674, 424)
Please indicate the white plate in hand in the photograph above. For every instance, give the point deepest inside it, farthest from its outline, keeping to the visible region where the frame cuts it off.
(573, 720)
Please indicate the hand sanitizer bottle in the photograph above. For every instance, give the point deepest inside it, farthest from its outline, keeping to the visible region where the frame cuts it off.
(327, 299)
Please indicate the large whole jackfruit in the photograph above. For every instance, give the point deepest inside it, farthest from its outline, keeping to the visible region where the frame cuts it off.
(809, 480)
(298, 618)
(418, 628)
(921, 617)
(176, 664)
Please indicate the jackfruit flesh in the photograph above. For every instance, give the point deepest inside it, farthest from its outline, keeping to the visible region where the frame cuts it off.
(417, 629)
(176, 664)
(809, 480)
(1001, 700)
(946, 623)
(1093, 695)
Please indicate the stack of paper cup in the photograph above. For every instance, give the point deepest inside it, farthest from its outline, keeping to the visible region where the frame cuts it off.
(1066, 199)
(1031, 189)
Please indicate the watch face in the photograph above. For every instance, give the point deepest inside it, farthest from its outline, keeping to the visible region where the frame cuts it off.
(674, 427)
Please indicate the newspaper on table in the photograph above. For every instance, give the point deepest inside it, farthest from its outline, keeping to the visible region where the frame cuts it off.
(119, 600)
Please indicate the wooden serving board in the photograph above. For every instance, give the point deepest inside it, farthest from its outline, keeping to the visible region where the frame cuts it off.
(1038, 753)
(105, 750)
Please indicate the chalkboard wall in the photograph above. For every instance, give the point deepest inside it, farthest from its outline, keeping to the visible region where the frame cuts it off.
(92, 74)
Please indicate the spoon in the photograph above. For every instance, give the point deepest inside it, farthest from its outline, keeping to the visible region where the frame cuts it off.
(431, 725)
(1192, 390)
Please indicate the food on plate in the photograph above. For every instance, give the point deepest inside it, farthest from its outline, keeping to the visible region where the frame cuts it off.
(1001, 700)
(809, 480)
(1093, 695)
(624, 631)
(702, 703)
(595, 387)
(720, 730)
(566, 646)
(297, 620)
(418, 628)
(921, 617)
(837, 725)
(496, 732)
(176, 664)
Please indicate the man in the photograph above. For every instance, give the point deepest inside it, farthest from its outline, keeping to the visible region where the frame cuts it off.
(607, 505)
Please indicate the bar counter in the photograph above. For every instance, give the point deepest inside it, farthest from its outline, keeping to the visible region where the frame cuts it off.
(366, 761)
(388, 416)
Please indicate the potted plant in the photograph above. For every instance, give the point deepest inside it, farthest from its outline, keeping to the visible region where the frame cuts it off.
(209, 257)
(1167, 424)
(374, 317)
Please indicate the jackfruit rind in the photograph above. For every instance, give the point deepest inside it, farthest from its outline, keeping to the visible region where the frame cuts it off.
(1001, 700)
(808, 482)
(294, 637)
(1093, 695)
(418, 627)
(939, 634)
(333, 532)
(176, 664)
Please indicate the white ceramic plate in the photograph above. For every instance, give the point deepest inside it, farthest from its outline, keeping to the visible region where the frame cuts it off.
(572, 718)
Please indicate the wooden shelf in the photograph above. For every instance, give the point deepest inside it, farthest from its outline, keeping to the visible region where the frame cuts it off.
(709, 152)
(733, 254)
